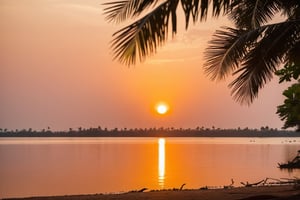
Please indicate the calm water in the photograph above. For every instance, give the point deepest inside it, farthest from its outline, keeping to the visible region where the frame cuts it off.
(59, 166)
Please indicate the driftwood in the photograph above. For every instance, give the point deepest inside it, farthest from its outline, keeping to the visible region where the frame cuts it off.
(293, 164)
(142, 190)
(182, 186)
(274, 181)
(284, 181)
(294, 180)
(247, 184)
(229, 186)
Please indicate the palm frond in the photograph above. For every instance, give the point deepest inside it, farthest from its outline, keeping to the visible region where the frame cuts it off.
(293, 57)
(251, 14)
(227, 49)
(290, 8)
(220, 6)
(190, 7)
(143, 36)
(198, 8)
(118, 11)
(195, 8)
(263, 59)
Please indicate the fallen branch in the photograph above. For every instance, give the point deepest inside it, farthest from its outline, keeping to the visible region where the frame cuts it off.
(142, 190)
(229, 186)
(182, 186)
(247, 184)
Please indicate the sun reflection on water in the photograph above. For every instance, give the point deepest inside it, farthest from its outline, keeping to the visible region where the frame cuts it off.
(161, 162)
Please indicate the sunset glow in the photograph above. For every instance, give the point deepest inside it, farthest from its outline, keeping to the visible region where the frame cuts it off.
(55, 58)
(162, 108)
(129, 99)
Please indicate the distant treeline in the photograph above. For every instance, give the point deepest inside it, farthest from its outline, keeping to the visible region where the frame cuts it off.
(151, 132)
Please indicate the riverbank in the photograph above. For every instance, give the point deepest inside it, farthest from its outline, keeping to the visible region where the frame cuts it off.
(242, 193)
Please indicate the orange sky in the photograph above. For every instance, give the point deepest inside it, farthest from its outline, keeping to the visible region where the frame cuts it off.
(56, 70)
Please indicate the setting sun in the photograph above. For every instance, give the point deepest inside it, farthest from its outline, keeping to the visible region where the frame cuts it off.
(162, 108)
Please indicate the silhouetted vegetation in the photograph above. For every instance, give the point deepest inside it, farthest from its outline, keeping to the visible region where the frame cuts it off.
(251, 50)
(264, 131)
(289, 111)
(293, 164)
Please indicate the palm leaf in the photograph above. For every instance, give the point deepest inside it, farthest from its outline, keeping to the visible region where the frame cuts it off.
(254, 54)
(119, 11)
(227, 49)
(194, 8)
(263, 59)
(200, 7)
(251, 14)
(290, 8)
(143, 36)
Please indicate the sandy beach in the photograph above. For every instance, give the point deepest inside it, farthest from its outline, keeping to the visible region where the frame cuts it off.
(243, 193)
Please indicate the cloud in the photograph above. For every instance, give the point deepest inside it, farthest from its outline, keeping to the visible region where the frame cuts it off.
(161, 61)
(172, 60)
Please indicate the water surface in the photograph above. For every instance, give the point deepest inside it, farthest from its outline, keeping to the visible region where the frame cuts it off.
(60, 166)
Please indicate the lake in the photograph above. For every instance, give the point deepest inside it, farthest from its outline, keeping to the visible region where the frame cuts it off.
(65, 166)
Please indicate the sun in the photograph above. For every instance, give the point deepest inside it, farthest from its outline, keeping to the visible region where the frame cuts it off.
(162, 108)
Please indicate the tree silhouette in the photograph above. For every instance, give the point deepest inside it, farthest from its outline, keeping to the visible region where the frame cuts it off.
(290, 110)
(252, 50)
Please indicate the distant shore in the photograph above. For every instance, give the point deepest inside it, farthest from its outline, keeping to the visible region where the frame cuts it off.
(243, 193)
(151, 132)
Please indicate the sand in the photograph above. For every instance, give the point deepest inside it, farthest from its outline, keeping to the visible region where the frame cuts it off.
(243, 193)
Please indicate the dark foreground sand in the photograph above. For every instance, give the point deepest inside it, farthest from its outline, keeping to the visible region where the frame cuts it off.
(245, 193)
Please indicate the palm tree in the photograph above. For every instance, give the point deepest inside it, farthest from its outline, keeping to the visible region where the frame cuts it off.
(255, 49)
(143, 36)
(252, 50)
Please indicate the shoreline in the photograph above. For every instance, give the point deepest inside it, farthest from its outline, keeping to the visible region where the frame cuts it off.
(152, 132)
(285, 192)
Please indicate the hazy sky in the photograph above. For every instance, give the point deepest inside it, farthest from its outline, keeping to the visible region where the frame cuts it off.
(56, 70)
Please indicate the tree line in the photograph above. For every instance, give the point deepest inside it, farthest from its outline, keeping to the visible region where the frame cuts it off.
(264, 131)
